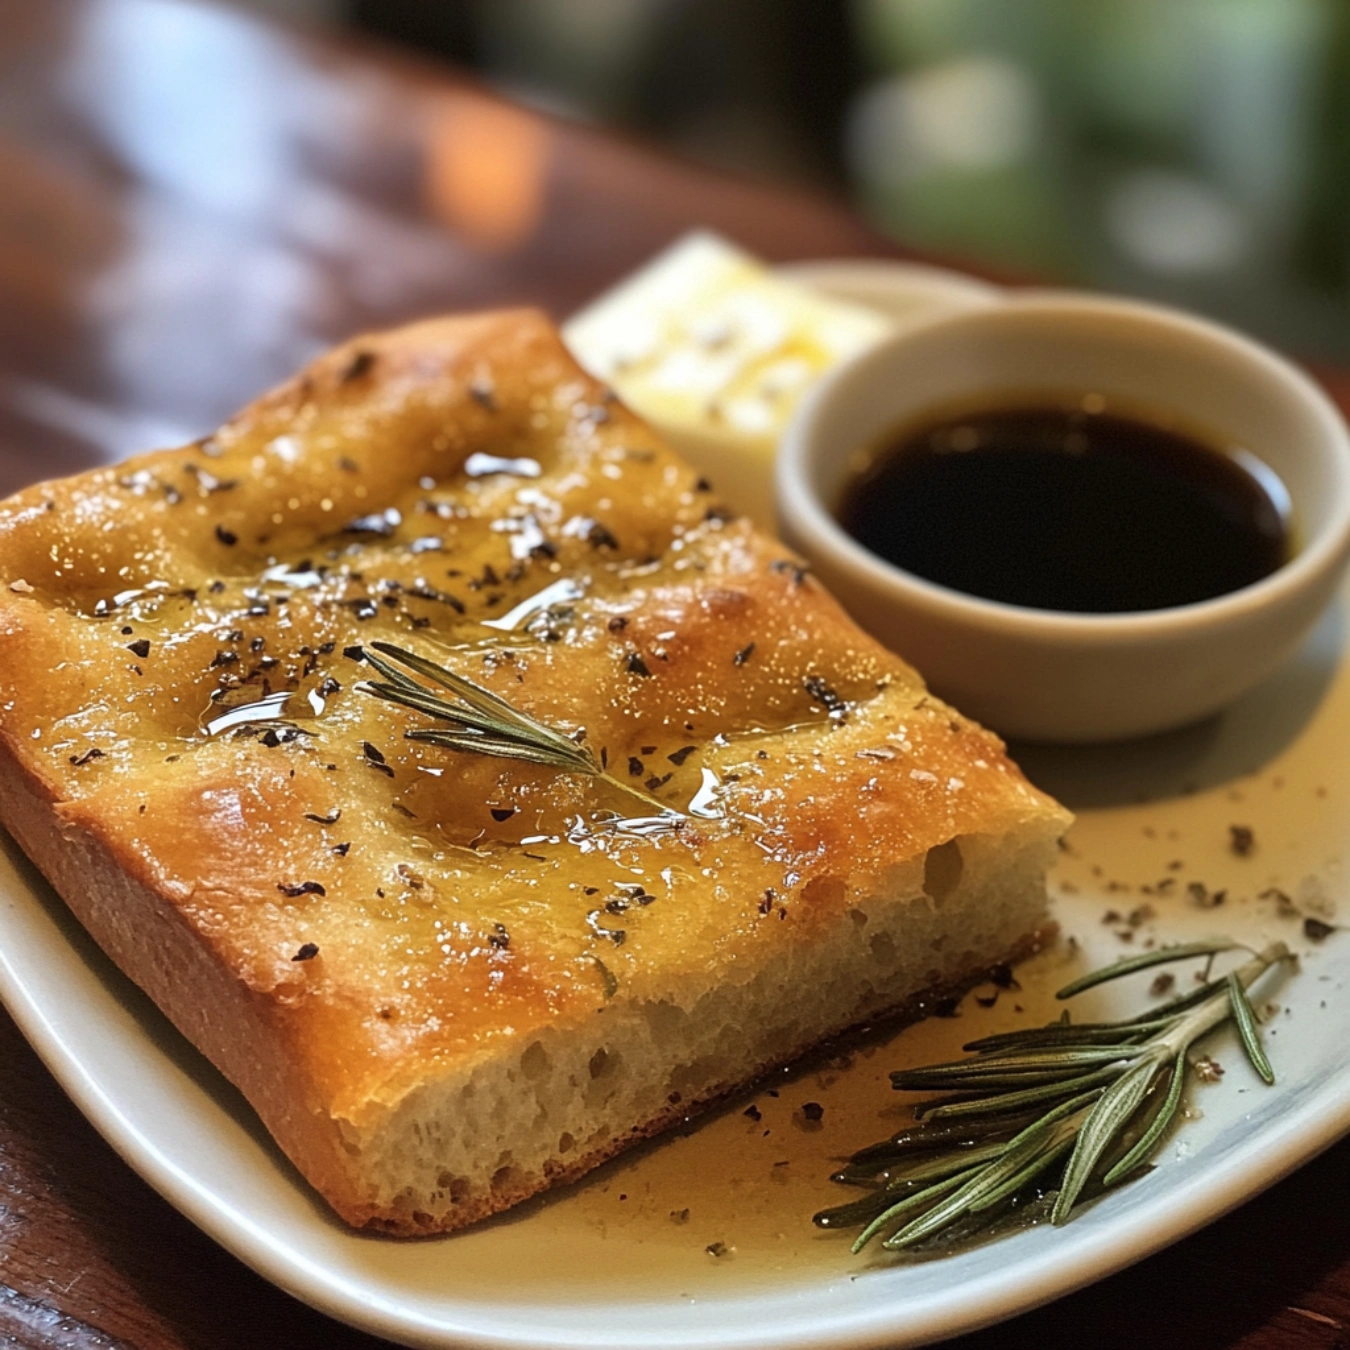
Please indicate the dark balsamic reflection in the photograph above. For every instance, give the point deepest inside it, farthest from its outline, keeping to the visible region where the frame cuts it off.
(1058, 507)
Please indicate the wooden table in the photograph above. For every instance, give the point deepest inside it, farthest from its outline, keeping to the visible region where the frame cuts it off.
(192, 203)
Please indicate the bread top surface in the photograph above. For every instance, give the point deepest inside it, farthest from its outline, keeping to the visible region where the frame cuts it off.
(457, 899)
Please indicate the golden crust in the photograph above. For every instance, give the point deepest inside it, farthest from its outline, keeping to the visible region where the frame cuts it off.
(449, 896)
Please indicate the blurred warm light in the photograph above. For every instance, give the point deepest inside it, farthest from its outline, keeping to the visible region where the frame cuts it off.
(486, 167)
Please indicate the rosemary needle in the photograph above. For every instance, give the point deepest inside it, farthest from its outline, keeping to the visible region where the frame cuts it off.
(477, 721)
(1059, 1109)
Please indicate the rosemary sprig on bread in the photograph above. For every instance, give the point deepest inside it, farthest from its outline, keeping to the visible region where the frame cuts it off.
(1067, 1108)
(479, 722)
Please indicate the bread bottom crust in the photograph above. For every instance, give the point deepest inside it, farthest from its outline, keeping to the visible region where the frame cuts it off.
(555, 1175)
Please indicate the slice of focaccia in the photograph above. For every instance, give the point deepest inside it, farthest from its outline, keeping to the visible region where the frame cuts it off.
(445, 977)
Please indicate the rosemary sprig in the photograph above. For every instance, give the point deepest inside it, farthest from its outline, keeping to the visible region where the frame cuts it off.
(479, 722)
(1080, 1108)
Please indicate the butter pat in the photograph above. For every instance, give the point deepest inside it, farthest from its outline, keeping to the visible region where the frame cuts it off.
(715, 351)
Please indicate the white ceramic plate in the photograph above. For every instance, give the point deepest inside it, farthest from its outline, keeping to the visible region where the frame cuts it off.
(622, 1260)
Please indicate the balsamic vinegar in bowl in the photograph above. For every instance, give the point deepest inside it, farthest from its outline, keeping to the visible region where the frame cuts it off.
(1067, 503)
(1209, 533)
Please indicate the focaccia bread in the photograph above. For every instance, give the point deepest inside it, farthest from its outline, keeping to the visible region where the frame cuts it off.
(447, 979)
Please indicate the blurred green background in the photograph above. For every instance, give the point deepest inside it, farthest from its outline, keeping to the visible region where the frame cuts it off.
(1196, 151)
